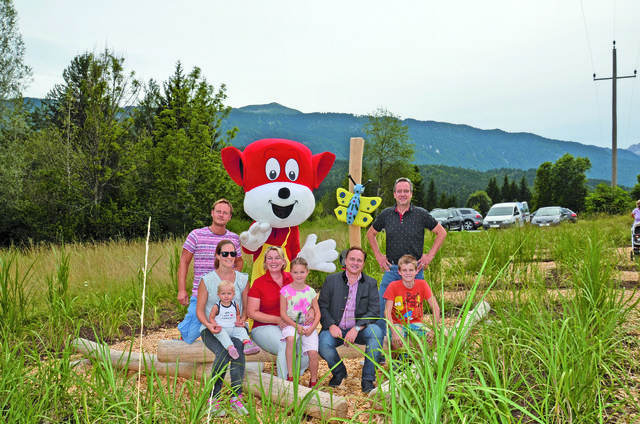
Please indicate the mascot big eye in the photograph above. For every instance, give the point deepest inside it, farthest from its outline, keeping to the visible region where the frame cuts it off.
(278, 177)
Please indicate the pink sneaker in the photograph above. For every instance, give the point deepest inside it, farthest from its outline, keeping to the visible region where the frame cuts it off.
(237, 406)
(233, 352)
(250, 348)
(215, 410)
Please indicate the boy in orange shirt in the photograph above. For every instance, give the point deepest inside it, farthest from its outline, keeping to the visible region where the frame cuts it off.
(404, 303)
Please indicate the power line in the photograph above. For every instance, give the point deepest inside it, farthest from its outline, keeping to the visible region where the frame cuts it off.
(614, 116)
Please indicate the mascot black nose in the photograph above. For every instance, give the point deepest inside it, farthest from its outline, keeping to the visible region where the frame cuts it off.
(284, 193)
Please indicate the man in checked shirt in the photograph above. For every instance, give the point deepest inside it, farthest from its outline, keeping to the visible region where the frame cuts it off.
(349, 307)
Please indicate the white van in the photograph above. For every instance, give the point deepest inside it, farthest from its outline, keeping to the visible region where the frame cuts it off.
(527, 213)
(502, 215)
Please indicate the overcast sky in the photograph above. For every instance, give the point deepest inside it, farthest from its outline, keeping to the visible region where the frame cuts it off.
(516, 65)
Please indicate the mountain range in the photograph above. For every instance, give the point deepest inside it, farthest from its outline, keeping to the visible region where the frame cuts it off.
(436, 143)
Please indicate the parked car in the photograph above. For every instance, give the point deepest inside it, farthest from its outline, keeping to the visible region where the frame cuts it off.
(472, 218)
(571, 215)
(450, 218)
(549, 215)
(502, 215)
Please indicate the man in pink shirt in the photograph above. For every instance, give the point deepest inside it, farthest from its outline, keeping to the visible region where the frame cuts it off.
(200, 247)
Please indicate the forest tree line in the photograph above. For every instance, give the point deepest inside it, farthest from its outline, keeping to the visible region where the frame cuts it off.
(104, 152)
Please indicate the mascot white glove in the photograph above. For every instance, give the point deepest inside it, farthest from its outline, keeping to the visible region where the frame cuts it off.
(319, 256)
(256, 236)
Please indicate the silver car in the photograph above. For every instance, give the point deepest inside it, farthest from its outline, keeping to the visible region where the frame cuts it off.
(549, 215)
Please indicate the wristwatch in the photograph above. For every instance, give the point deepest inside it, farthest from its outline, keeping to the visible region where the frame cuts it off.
(358, 328)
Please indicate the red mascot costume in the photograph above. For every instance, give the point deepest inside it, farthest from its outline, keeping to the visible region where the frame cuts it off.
(278, 177)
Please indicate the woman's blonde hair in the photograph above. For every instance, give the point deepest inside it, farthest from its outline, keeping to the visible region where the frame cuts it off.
(638, 203)
(280, 253)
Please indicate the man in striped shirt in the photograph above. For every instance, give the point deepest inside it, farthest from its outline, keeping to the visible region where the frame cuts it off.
(200, 247)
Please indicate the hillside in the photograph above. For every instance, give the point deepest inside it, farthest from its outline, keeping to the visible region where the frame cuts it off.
(635, 148)
(437, 143)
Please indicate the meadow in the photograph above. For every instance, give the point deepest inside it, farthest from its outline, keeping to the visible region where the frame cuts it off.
(559, 346)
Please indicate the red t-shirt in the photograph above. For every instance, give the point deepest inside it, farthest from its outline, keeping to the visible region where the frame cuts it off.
(407, 303)
(268, 291)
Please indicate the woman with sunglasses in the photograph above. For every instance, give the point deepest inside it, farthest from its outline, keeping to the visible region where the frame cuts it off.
(207, 298)
(263, 306)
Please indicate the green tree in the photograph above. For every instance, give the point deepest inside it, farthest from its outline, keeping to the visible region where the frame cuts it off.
(609, 200)
(505, 192)
(542, 193)
(419, 195)
(524, 192)
(14, 73)
(452, 201)
(432, 196)
(14, 138)
(514, 190)
(635, 191)
(493, 190)
(443, 201)
(89, 150)
(563, 183)
(569, 181)
(15, 175)
(479, 201)
(388, 152)
(185, 167)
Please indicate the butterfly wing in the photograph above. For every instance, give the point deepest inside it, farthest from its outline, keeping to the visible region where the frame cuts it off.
(343, 197)
(362, 219)
(369, 204)
(341, 213)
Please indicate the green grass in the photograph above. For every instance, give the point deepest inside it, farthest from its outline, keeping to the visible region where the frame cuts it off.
(541, 356)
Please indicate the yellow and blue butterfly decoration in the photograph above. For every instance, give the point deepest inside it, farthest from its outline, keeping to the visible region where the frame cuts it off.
(354, 208)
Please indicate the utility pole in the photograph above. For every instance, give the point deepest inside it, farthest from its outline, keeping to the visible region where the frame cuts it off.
(614, 117)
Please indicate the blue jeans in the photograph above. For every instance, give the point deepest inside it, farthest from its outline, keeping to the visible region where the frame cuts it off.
(387, 278)
(371, 336)
(219, 369)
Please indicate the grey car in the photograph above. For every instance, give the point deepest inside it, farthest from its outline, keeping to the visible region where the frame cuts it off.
(472, 218)
(549, 215)
(450, 218)
(572, 217)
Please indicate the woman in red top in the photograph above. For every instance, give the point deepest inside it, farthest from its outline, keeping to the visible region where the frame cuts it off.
(263, 306)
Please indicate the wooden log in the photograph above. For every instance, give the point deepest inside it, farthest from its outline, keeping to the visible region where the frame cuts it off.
(131, 361)
(176, 350)
(179, 351)
(321, 404)
(473, 317)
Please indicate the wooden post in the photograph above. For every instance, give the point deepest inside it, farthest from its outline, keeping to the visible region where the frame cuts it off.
(355, 169)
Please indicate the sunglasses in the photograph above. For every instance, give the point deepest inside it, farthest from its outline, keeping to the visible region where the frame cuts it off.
(227, 254)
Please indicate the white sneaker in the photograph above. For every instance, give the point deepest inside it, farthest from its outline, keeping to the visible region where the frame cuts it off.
(215, 410)
(236, 405)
